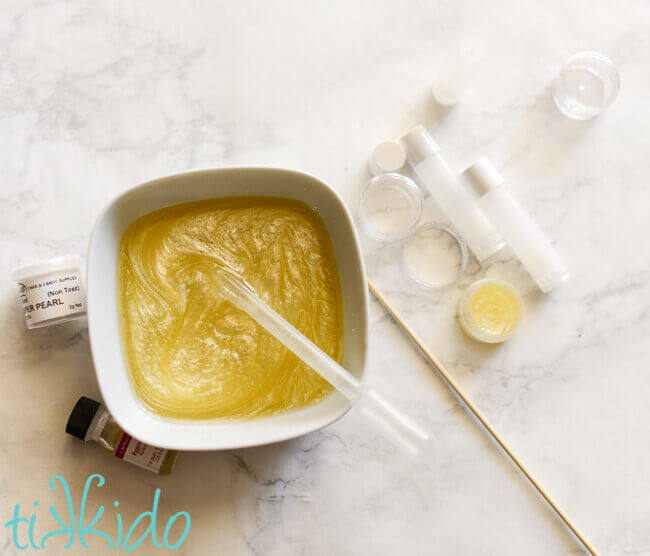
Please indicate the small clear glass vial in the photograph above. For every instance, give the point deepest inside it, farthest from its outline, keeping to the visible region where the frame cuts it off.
(52, 291)
(490, 310)
(390, 207)
(91, 421)
(586, 86)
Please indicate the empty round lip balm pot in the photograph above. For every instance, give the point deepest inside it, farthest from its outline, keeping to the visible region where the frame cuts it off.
(390, 208)
(434, 256)
(586, 86)
(490, 310)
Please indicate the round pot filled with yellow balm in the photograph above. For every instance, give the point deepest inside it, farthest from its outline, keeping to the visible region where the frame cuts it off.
(490, 311)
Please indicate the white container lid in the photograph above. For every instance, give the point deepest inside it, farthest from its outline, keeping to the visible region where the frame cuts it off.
(46, 266)
(386, 157)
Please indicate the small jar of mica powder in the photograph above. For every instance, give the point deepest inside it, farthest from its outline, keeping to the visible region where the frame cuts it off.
(51, 291)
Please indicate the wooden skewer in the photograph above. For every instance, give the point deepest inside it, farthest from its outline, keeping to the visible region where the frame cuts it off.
(456, 389)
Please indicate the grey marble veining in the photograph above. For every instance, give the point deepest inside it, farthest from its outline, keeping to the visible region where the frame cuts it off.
(98, 96)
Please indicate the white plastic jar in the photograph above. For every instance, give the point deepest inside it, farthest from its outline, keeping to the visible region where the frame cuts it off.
(51, 291)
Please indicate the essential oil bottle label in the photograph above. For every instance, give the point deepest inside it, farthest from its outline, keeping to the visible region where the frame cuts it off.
(140, 454)
(53, 296)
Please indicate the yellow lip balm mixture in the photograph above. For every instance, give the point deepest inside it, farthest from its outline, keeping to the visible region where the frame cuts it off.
(190, 352)
(490, 310)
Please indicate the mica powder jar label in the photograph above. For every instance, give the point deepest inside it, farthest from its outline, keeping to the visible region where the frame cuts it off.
(51, 292)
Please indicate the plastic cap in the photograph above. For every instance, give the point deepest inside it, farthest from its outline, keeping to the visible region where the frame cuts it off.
(482, 177)
(387, 157)
(81, 417)
(46, 266)
(459, 67)
(419, 145)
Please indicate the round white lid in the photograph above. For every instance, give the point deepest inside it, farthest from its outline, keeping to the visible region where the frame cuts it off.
(387, 157)
(47, 266)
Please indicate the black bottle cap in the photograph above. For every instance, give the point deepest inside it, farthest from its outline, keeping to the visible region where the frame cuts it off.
(82, 415)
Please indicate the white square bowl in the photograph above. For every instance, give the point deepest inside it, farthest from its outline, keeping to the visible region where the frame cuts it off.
(103, 322)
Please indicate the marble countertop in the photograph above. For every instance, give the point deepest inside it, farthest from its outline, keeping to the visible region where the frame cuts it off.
(98, 96)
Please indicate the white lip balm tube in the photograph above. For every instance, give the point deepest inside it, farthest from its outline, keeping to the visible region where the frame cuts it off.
(423, 154)
(525, 237)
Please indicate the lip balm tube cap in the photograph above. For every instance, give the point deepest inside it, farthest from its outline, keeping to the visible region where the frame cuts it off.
(419, 145)
(457, 70)
(482, 177)
(386, 157)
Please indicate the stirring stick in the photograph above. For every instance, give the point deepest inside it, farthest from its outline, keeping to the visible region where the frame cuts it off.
(469, 404)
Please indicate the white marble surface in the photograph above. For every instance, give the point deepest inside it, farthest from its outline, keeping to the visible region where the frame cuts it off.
(98, 96)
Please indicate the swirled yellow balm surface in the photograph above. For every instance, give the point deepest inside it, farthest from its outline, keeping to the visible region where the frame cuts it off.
(490, 310)
(194, 355)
